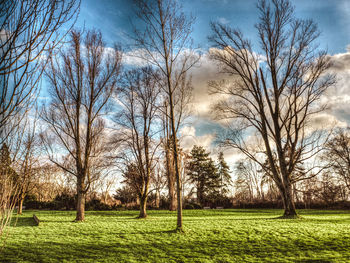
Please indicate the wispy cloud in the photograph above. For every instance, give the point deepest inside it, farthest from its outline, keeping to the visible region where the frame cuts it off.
(223, 20)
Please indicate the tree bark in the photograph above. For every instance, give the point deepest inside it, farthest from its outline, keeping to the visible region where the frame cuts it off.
(199, 197)
(80, 202)
(172, 198)
(157, 199)
(20, 206)
(288, 202)
(143, 203)
(172, 194)
(170, 173)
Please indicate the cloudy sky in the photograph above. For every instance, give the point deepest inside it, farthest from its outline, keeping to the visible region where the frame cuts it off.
(114, 18)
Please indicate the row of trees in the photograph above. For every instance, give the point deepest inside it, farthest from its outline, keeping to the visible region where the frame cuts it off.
(204, 183)
(101, 116)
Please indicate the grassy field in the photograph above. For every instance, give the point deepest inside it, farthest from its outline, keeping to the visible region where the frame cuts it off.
(210, 236)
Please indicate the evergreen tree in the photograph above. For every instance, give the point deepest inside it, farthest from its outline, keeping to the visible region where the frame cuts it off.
(203, 173)
(213, 185)
(224, 174)
(6, 170)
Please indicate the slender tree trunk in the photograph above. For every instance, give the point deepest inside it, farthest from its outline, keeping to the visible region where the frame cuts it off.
(143, 203)
(105, 197)
(262, 193)
(200, 195)
(172, 196)
(170, 177)
(176, 155)
(80, 202)
(157, 198)
(172, 193)
(179, 198)
(20, 205)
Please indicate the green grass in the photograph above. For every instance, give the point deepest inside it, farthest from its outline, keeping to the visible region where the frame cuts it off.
(210, 236)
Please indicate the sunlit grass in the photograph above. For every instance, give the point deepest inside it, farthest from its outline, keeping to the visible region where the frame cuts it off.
(210, 236)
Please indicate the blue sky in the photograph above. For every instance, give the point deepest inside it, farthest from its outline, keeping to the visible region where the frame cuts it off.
(113, 18)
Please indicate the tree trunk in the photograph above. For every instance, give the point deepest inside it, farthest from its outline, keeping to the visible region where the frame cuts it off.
(143, 203)
(80, 203)
(170, 178)
(172, 197)
(288, 202)
(179, 200)
(157, 198)
(199, 197)
(200, 193)
(20, 206)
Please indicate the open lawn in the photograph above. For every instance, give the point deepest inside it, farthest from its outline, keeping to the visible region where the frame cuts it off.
(210, 236)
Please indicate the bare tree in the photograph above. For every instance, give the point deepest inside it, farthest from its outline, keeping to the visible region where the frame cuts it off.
(275, 94)
(12, 154)
(27, 30)
(158, 182)
(28, 165)
(8, 189)
(164, 42)
(337, 154)
(182, 99)
(46, 186)
(139, 126)
(82, 79)
(250, 179)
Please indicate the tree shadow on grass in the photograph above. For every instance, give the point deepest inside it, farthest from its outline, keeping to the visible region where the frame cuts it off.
(172, 231)
(192, 250)
(112, 213)
(323, 212)
(56, 221)
(25, 221)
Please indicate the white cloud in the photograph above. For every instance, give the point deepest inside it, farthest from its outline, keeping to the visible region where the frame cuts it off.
(325, 120)
(134, 58)
(223, 20)
(189, 138)
(206, 70)
(337, 97)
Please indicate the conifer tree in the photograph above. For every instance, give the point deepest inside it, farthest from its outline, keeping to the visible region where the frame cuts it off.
(203, 173)
(224, 174)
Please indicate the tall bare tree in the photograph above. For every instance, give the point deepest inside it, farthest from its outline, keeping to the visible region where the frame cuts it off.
(337, 154)
(275, 94)
(27, 30)
(139, 126)
(82, 78)
(182, 100)
(164, 42)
